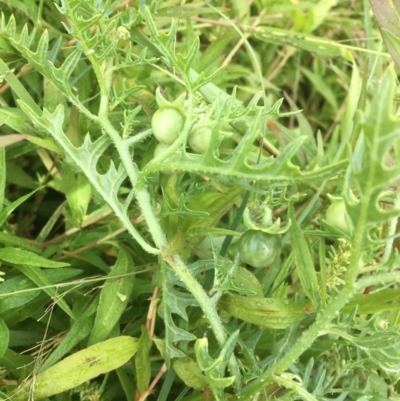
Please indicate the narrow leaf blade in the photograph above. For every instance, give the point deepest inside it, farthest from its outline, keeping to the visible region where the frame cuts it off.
(303, 259)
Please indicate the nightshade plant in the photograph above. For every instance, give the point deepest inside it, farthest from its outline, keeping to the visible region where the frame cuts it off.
(319, 323)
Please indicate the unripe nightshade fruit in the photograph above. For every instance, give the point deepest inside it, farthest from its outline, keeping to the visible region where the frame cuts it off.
(167, 123)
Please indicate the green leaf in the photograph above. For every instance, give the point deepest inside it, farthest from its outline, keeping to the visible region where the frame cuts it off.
(17, 291)
(19, 314)
(368, 166)
(189, 372)
(9, 239)
(2, 177)
(387, 15)
(41, 280)
(4, 338)
(215, 368)
(373, 303)
(47, 143)
(381, 344)
(126, 383)
(174, 301)
(113, 297)
(142, 361)
(16, 85)
(15, 119)
(17, 256)
(21, 338)
(273, 170)
(213, 54)
(245, 282)
(314, 44)
(78, 368)
(12, 206)
(78, 191)
(16, 175)
(322, 87)
(86, 158)
(303, 259)
(15, 295)
(273, 313)
(215, 204)
(14, 361)
(78, 332)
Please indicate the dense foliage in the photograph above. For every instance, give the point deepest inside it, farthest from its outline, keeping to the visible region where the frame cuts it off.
(199, 200)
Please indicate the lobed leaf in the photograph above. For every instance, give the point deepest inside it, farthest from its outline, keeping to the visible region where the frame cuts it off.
(387, 15)
(368, 166)
(174, 301)
(86, 158)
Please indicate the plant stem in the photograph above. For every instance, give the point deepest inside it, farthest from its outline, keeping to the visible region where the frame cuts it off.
(302, 344)
(324, 317)
(144, 201)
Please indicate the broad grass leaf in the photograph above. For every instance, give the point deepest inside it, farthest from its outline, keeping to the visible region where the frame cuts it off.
(18, 176)
(78, 368)
(41, 280)
(322, 87)
(19, 290)
(10, 208)
(272, 313)
(127, 384)
(16, 315)
(303, 259)
(142, 361)
(4, 337)
(384, 300)
(246, 283)
(310, 43)
(17, 256)
(114, 297)
(16, 120)
(78, 332)
(13, 361)
(16, 84)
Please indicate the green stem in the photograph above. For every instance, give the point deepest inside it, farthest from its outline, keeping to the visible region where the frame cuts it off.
(302, 344)
(107, 71)
(377, 279)
(144, 201)
(324, 317)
